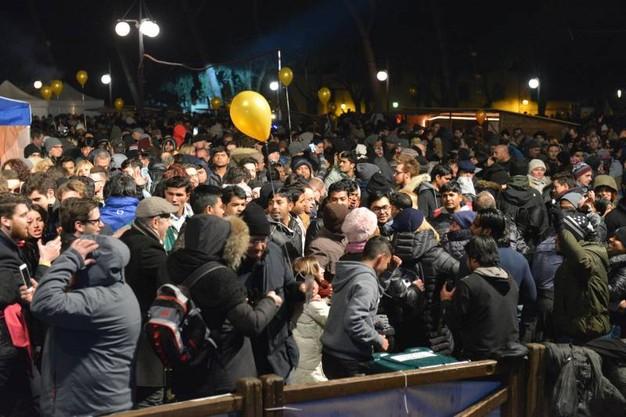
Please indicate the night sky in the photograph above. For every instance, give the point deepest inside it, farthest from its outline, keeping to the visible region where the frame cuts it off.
(577, 49)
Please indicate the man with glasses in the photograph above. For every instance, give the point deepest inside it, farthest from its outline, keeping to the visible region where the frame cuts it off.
(381, 206)
(147, 256)
(405, 172)
(79, 216)
(428, 194)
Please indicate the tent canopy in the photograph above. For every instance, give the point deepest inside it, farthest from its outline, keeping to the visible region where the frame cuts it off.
(14, 112)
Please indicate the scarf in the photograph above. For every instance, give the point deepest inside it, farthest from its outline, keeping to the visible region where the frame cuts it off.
(355, 247)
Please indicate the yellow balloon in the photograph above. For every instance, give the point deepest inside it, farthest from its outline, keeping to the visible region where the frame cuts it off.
(324, 95)
(81, 77)
(216, 103)
(118, 103)
(46, 92)
(57, 87)
(285, 75)
(412, 91)
(251, 114)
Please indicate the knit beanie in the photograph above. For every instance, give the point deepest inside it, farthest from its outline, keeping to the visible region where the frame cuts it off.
(577, 224)
(359, 225)
(333, 216)
(408, 220)
(536, 163)
(518, 167)
(573, 197)
(255, 218)
(51, 142)
(464, 218)
(580, 169)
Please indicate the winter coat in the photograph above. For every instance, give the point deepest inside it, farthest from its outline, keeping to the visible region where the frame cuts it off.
(223, 301)
(454, 243)
(616, 218)
(92, 334)
(420, 253)
(617, 289)
(147, 257)
(275, 351)
(483, 313)
(10, 281)
(327, 248)
(581, 291)
(350, 332)
(516, 265)
(291, 238)
(308, 334)
(525, 206)
(118, 211)
(428, 199)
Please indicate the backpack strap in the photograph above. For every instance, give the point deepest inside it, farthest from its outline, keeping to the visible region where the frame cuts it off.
(200, 272)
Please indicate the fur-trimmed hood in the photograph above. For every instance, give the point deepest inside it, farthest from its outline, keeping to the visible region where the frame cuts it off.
(237, 242)
(415, 183)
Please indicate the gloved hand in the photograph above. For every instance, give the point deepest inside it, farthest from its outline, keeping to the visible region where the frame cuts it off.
(442, 342)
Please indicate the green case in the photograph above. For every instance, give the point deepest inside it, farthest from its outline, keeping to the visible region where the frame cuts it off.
(413, 358)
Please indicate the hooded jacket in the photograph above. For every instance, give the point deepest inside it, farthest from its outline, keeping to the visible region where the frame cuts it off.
(327, 248)
(92, 334)
(118, 211)
(483, 313)
(223, 301)
(525, 206)
(616, 218)
(581, 291)
(10, 281)
(428, 199)
(350, 332)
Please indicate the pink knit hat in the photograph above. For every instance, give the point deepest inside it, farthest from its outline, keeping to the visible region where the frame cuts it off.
(359, 225)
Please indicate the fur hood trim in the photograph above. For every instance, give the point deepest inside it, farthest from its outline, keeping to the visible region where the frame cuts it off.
(237, 243)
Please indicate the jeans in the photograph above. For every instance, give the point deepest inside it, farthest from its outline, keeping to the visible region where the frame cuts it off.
(335, 368)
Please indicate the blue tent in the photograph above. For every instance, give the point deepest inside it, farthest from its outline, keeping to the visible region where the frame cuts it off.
(14, 112)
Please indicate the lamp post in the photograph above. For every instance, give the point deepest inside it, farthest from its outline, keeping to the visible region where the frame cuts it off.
(145, 26)
(534, 84)
(383, 76)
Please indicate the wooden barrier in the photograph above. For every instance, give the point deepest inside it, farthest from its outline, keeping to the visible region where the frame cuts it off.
(276, 395)
(247, 401)
(536, 398)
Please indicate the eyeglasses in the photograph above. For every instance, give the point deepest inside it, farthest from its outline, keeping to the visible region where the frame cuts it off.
(93, 221)
(382, 208)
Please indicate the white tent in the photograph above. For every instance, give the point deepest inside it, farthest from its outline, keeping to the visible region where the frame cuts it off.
(39, 106)
(70, 101)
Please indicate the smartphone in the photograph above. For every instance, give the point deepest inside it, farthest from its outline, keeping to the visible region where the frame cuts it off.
(25, 275)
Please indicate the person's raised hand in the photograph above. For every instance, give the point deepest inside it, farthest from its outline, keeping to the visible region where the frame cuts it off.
(50, 251)
(385, 345)
(277, 300)
(446, 295)
(84, 247)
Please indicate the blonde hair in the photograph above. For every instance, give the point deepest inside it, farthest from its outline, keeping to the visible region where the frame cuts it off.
(43, 165)
(307, 265)
(83, 165)
(187, 150)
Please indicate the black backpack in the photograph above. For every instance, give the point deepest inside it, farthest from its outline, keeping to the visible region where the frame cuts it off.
(175, 328)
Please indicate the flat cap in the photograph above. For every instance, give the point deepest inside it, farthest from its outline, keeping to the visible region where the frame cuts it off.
(154, 206)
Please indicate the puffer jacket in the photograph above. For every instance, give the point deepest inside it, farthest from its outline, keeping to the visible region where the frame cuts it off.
(118, 211)
(581, 290)
(92, 334)
(420, 252)
(454, 243)
(525, 206)
(617, 289)
(307, 334)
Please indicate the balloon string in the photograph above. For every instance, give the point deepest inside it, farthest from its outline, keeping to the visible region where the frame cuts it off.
(267, 150)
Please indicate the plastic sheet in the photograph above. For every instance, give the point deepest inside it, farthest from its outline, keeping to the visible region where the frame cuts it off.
(436, 400)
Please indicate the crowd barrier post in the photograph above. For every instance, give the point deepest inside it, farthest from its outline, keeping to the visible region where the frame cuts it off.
(536, 405)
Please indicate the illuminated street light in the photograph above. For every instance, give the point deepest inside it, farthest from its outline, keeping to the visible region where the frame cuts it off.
(525, 102)
(619, 93)
(382, 75)
(274, 85)
(105, 79)
(37, 84)
(149, 28)
(122, 28)
(533, 83)
(395, 104)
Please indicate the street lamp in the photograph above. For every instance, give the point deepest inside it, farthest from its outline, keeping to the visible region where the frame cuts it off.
(147, 27)
(37, 84)
(534, 84)
(274, 85)
(619, 93)
(106, 80)
(383, 76)
(395, 104)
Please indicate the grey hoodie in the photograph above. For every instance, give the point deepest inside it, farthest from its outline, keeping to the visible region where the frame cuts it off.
(349, 332)
(92, 335)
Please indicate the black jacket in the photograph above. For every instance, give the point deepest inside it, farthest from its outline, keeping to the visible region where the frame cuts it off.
(483, 313)
(420, 253)
(147, 256)
(10, 281)
(616, 218)
(428, 199)
(223, 301)
(617, 289)
(275, 350)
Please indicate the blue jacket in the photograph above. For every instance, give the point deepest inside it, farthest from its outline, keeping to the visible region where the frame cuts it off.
(118, 211)
(546, 261)
(516, 264)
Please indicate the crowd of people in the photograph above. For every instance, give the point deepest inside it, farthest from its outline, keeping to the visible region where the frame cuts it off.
(333, 242)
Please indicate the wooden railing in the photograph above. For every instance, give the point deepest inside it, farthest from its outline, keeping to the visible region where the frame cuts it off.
(520, 395)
